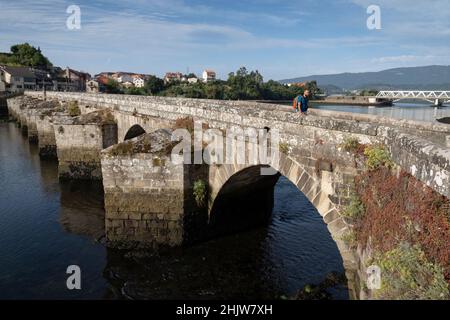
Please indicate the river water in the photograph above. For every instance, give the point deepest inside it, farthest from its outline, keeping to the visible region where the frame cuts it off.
(419, 111)
(47, 225)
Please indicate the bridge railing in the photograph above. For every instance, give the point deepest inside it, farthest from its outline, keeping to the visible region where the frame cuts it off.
(414, 94)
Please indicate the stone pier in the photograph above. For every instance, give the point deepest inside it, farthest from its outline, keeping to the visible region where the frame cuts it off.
(34, 116)
(79, 141)
(46, 132)
(149, 199)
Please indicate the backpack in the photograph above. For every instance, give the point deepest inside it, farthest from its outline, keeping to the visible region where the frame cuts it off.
(296, 102)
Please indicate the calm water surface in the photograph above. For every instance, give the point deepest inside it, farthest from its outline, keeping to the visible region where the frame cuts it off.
(47, 225)
(420, 111)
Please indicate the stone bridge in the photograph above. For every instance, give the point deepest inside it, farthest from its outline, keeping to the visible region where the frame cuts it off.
(127, 140)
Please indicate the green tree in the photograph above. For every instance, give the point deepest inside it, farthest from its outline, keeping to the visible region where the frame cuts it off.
(244, 85)
(112, 86)
(154, 85)
(26, 55)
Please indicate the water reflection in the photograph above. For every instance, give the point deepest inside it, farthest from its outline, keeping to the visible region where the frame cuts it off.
(82, 208)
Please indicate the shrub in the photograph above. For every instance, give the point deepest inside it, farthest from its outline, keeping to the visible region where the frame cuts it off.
(355, 208)
(377, 156)
(406, 274)
(400, 208)
(284, 147)
(350, 238)
(200, 191)
(351, 144)
(73, 109)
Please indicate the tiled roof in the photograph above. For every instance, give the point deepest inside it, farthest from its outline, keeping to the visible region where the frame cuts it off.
(24, 72)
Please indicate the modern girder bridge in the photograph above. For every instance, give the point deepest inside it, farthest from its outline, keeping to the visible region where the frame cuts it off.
(436, 97)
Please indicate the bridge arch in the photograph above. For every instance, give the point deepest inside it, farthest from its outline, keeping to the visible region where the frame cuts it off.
(135, 131)
(317, 187)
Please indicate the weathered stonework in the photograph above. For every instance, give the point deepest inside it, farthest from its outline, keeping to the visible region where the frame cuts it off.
(46, 133)
(148, 199)
(34, 116)
(79, 141)
(144, 191)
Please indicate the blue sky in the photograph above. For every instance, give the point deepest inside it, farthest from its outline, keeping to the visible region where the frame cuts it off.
(281, 39)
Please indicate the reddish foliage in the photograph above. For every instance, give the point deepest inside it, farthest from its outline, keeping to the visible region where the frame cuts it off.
(187, 123)
(401, 208)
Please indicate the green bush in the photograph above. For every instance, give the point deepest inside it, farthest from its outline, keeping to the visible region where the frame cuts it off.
(377, 156)
(351, 144)
(406, 274)
(284, 147)
(200, 191)
(350, 238)
(73, 109)
(355, 208)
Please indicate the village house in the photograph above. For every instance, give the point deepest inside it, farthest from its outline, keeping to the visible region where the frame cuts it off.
(97, 85)
(298, 84)
(138, 81)
(208, 75)
(122, 77)
(127, 84)
(192, 80)
(77, 79)
(16, 79)
(65, 79)
(172, 76)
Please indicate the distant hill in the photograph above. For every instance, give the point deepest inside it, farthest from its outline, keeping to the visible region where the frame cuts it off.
(427, 77)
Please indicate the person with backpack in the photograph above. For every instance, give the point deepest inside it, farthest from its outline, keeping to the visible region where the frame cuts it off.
(301, 103)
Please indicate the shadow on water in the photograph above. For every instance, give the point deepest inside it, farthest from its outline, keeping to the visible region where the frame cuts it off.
(48, 225)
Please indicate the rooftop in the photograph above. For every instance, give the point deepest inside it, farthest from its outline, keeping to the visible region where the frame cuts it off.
(24, 72)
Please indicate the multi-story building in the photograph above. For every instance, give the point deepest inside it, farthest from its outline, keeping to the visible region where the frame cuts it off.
(208, 75)
(138, 81)
(76, 79)
(17, 79)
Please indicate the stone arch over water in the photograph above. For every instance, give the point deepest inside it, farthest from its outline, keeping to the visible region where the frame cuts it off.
(227, 182)
(135, 131)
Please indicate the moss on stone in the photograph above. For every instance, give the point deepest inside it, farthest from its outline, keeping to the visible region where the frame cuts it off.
(73, 109)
